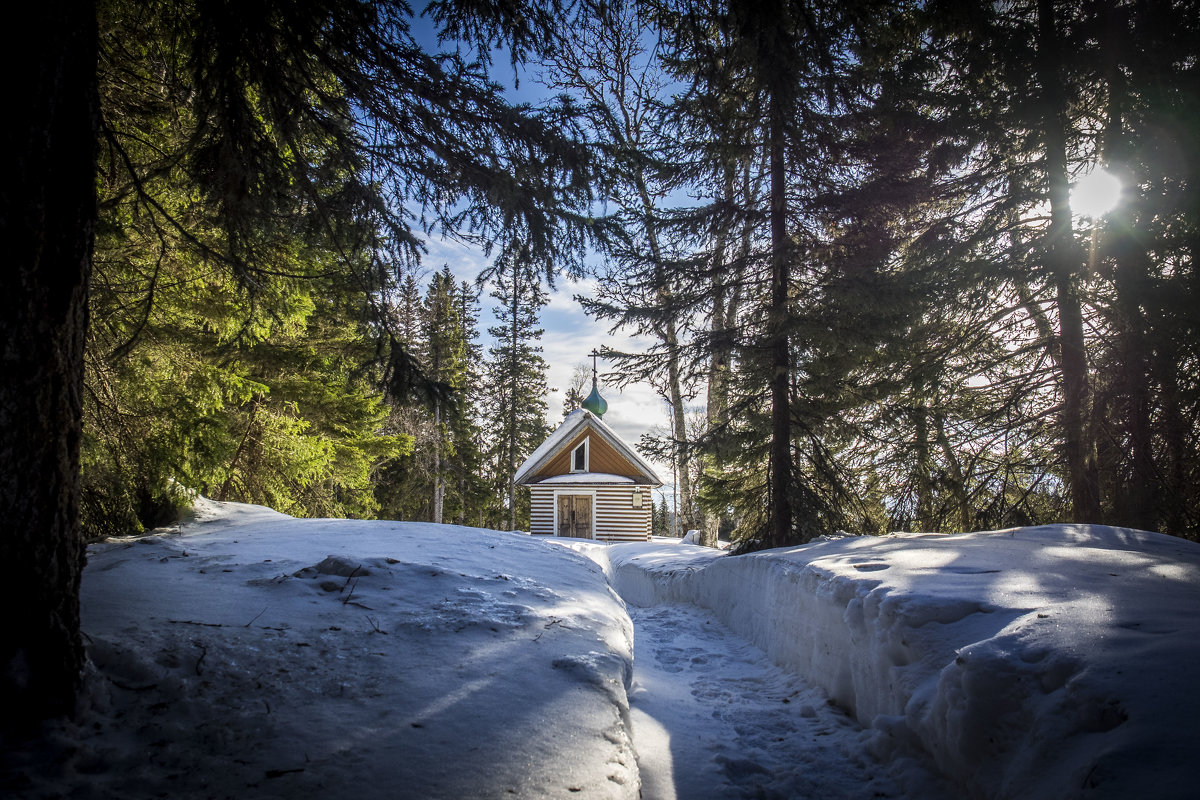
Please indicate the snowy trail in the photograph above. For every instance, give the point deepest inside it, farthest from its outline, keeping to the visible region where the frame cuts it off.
(713, 717)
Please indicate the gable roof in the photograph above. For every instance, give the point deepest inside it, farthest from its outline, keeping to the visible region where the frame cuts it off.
(576, 422)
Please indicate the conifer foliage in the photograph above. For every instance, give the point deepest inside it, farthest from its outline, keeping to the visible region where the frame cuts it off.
(516, 384)
(261, 168)
(899, 313)
(439, 480)
(882, 280)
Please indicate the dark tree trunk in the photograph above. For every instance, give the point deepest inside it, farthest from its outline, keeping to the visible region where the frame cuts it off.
(47, 219)
(1142, 496)
(924, 468)
(1064, 263)
(720, 357)
(780, 532)
(668, 331)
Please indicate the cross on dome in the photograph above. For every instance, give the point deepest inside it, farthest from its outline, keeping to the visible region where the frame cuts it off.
(594, 402)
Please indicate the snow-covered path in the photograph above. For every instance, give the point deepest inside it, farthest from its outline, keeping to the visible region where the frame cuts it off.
(713, 717)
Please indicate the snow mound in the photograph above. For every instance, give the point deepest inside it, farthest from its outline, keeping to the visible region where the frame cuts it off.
(256, 655)
(1041, 662)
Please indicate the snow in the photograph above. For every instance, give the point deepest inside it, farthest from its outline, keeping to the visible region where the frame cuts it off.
(712, 717)
(1031, 663)
(250, 654)
(255, 655)
(586, 477)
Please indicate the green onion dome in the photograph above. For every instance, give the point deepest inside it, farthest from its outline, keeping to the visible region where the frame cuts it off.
(595, 403)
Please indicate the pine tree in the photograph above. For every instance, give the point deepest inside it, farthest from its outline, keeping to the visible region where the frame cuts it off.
(447, 364)
(408, 315)
(660, 521)
(767, 90)
(1075, 305)
(195, 382)
(465, 426)
(516, 384)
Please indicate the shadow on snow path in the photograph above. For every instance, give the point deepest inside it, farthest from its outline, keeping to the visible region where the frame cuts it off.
(713, 717)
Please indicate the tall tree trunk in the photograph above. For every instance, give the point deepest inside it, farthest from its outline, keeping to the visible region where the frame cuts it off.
(727, 295)
(1175, 431)
(1064, 262)
(958, 479)
(668, 331)
(679, 432)
(439, 482)
(717, 400)
(924, 467)
(510, 463)
(47, 221)
(780, 513)
(1141, 499)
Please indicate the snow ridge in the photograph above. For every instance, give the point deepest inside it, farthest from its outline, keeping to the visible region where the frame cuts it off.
(1032, 663)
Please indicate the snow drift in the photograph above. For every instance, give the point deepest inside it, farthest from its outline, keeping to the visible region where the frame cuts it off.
(257, 655)
(1048, 662)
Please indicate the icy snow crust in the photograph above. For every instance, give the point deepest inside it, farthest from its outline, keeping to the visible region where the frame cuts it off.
(256, 655)
(1050, 662)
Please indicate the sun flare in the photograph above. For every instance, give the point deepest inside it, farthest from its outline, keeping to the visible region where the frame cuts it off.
(1096, 193)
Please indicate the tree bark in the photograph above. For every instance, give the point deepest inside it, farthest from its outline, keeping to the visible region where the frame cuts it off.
(720, 356)
(924, 466)
(510, 463)
(780, 512)
(669, 333)
(958, 480)
(1064, 266)
(47, 221)
(439, 482)
(1131, 278)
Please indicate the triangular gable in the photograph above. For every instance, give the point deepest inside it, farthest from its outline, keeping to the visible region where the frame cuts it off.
(609, 453)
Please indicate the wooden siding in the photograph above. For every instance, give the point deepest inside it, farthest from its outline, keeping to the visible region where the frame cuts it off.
(614, 517)
(541, 510)
(603, 457)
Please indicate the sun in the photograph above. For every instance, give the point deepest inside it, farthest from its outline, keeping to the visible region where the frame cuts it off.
(1095, 194)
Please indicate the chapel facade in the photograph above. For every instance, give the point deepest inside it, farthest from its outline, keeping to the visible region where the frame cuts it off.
(585, 482)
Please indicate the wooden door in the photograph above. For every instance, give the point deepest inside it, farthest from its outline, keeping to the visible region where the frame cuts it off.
(575, 516)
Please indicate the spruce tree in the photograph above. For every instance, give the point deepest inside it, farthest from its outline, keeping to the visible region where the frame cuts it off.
(1076, 304)
(446, 361)
(516, 385)
(466, 423)
(767, 86)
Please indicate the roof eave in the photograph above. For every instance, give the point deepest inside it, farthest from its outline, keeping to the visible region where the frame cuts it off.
(563, 435)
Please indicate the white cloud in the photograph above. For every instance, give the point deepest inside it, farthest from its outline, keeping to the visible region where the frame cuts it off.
(465, 261)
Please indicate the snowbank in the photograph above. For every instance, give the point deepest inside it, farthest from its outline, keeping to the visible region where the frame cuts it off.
(1049, 662)
(256, 655)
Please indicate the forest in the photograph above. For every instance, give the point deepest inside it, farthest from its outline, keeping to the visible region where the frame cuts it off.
(857, 235)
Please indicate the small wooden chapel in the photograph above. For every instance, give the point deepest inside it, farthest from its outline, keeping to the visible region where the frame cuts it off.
(585, 482)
